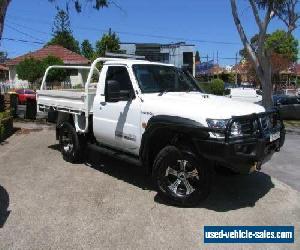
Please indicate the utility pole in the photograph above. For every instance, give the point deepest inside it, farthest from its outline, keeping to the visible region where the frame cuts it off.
(236, 76)
(207, 68)
(217, 64)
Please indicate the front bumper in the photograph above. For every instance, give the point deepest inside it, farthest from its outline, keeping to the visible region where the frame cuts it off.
(241, 154)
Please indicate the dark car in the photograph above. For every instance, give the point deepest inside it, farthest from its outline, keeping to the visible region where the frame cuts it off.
(25, 94)
(288, 106)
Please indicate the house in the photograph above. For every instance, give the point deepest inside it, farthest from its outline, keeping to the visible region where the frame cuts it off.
(3, 73)
(67, 56)
(180, 54)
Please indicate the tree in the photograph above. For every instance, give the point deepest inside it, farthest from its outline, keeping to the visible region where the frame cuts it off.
(217, 87)
(282, 43)
(62, 33)
(283, 48)
(98, 4)
(3, 8)
(54, 74)
(261, 57)
(3, 56)
(109, 43)
(62, 22)
(87, 50)
(30, 69)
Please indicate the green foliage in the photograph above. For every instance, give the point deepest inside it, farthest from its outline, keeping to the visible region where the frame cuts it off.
(284, 44)
(62, 34)
(279, 42)
(4, 115)
(33, 70)
(204, 86)
(54, 74)
(216, 87)
(30, 69)
(108, 43)
(87, 50)
(3, 56)
(227, 77)
(66, 40)
(97, 4)
(62, 22)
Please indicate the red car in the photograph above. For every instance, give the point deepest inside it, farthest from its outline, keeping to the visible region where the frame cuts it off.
(25, 94)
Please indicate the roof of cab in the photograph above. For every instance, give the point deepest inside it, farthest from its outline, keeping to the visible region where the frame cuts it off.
(131, 62)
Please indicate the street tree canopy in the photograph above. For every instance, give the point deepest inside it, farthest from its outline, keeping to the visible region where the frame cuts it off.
(279, 42)
(87, 50)
(263, 12)
(109, 43)
(32, 69)
(62, 33)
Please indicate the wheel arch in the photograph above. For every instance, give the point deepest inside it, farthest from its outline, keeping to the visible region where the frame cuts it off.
(163, 130)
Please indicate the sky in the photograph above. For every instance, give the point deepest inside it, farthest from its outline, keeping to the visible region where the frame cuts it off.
(206, 23)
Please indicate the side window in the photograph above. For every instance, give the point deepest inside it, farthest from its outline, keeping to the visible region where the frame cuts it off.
(120, 74)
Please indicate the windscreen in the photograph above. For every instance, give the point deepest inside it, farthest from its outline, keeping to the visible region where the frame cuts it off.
(159, 78)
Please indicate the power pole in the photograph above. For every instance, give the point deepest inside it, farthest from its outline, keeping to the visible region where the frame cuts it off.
(207, 68)
(236, 74)
(217, 64)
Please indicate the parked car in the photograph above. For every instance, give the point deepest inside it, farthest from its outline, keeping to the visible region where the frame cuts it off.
(286, 92)
(288, 106)
(25, 94)
(244, 94)
(157, 116)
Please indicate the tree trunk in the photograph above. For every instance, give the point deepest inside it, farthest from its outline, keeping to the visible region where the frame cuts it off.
(3, 8)
(260, 58)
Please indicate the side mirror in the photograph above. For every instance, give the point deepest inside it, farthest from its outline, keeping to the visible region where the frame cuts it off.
(112, 91)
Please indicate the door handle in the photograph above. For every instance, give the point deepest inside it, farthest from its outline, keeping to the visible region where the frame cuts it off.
(102, 103)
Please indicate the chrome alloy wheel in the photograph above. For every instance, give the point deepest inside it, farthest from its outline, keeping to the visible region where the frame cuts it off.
(67, 141)
(182, 178)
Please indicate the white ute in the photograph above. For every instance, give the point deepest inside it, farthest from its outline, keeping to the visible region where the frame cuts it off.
(156, 115)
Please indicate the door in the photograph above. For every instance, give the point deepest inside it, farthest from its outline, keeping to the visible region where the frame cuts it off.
(117, 124)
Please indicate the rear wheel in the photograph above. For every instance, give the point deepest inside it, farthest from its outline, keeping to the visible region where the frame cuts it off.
(182, 178)
(72, 145)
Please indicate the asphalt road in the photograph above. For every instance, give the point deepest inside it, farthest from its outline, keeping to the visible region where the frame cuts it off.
(46, 203)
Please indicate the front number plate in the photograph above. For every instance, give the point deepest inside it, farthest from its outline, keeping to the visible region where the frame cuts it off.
(275, 136)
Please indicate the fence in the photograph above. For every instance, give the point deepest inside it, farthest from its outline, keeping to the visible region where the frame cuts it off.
(7, 86)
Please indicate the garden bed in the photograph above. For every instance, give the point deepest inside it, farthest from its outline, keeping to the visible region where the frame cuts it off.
(6, 125)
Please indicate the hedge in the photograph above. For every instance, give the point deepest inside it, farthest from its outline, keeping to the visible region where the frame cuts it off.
(6, 125)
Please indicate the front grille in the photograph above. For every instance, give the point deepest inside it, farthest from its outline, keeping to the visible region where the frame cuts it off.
(269, 122)
(249, 127)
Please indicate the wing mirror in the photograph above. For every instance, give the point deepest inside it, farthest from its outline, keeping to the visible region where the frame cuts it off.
(112, 92)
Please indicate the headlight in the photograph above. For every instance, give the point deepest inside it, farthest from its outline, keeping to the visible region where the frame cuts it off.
(236, 129)
(217, 123)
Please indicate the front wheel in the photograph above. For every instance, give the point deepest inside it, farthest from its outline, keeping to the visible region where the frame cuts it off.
(182, 177)
(72, 145)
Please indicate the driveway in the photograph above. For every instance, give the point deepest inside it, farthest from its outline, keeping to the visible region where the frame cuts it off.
(47, 203)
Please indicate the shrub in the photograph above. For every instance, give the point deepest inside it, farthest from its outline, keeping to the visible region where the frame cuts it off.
(217, 87)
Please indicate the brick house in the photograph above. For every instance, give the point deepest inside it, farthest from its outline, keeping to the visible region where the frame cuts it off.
(67, 56)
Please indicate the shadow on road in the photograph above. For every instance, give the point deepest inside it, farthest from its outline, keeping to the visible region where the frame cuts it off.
(229, 192)
(234, 192)
(4, 204)
(130, 173)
